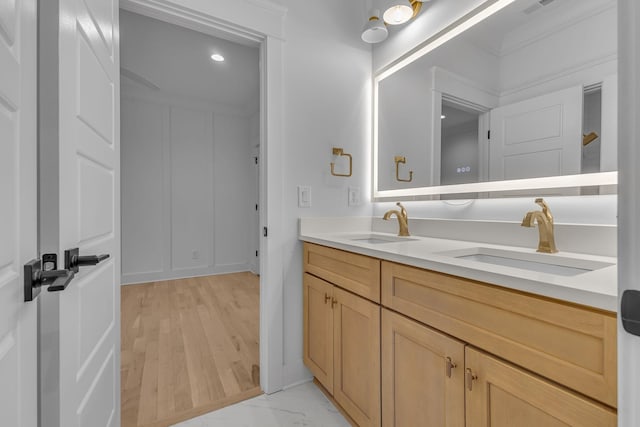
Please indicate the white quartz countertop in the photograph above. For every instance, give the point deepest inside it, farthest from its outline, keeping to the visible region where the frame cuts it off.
(597, 288)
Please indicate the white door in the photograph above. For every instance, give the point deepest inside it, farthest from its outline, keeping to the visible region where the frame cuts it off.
(89, 204)
(18, 212)
(538, 137)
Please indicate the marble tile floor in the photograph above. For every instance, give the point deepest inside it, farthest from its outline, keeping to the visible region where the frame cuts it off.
(300, 406)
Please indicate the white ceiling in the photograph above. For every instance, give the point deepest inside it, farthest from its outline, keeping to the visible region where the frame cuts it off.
(178, 61)
(526, 19)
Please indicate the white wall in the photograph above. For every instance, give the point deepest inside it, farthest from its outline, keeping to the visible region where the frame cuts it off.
(531, 65)
(186, 196)
(327, 102)
(405, 103)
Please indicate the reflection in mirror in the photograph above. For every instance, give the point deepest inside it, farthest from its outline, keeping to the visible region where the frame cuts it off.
(528, 93)
(591, 129)
(459, 147)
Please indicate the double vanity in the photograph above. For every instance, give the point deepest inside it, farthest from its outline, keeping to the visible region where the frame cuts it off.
(465, 323)
(417, 330)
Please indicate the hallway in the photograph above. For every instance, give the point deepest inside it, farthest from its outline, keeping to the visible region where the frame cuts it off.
(189, 346)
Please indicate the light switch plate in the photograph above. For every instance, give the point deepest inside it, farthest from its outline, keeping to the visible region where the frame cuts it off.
(304, 196)
(354, 196)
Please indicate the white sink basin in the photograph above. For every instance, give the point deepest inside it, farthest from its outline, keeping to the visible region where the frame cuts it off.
(540, 262)
(376, 239)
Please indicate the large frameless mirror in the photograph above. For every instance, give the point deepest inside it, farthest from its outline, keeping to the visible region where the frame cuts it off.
(519, 98)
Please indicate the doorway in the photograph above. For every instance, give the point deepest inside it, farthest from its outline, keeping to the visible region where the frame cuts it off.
(190, 133)
(460, 144)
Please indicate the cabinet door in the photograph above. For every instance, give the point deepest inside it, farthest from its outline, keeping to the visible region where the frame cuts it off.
(318, 329)
(356, 384)
(502, 395)
(422, 375)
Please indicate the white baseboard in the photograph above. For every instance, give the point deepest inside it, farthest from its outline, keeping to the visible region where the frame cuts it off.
(295, 373)
(136, 278)
(288, 386)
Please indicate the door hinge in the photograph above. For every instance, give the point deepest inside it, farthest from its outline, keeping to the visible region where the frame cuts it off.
(265, 232)
(256, 253)
(256, 160)
(488, 134)
(256, 206)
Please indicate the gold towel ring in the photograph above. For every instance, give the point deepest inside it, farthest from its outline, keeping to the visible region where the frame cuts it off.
(340, 152)
(398, 160)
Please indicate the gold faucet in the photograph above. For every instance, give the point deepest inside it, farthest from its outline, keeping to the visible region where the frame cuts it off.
(403, 220)
(544, 219)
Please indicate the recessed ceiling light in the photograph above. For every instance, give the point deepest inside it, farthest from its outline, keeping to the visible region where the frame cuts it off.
(217, 57)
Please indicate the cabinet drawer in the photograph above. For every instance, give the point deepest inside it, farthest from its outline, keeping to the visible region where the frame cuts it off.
(356, 273)
(570, 344)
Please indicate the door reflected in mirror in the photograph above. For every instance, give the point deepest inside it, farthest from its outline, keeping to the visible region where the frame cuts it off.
(524, 96)
(460, 144)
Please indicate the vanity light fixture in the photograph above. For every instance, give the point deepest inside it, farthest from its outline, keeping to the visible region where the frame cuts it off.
(374, 30)
(217, 57)
(398, 12)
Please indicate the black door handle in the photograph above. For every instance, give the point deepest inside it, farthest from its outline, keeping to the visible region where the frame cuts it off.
(630, 311)
(35, 278)
(73, 260)
(61, 281)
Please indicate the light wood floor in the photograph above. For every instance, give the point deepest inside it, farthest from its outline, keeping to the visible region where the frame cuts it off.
(189, 346)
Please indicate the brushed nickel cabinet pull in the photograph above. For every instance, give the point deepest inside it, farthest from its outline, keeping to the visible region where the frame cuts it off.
(334, 301)
(327, 298)
(470, 377)
(449, 366)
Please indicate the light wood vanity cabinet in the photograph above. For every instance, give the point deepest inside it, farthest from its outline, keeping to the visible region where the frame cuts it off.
(572, 345)
(431, 379)
(454, 352)
(342, 347)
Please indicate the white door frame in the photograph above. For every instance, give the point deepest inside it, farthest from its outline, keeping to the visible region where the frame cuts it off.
(628, 203)
(255, 23)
